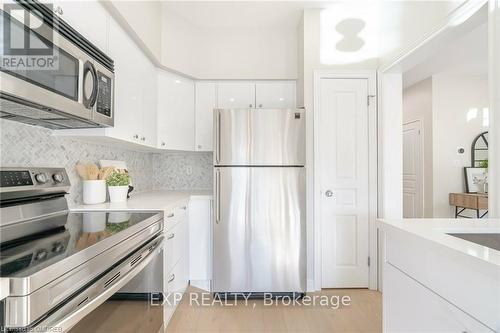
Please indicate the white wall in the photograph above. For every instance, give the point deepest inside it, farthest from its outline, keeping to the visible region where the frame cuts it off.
(247, 53)
(459, 103)
(405, 23)
(179, 44)
(144, 21)
(417, 105)
(219, 53)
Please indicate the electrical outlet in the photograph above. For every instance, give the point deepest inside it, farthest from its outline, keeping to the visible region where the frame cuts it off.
(189, 170)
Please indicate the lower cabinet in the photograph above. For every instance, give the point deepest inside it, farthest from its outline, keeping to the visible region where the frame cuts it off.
(411, 307)
(187, 250)
(176, 265)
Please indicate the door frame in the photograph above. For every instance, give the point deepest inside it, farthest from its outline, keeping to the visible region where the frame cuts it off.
(371, 77)
(420, 182)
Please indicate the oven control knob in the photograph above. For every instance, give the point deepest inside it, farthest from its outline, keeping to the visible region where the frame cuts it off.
(41, 178)
(42, 254)
(58, 177)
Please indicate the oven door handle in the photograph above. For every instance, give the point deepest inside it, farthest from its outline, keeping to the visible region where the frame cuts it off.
(70, 320)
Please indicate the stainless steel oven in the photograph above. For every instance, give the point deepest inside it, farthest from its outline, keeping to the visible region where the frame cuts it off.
(75, 271)
(71, 88)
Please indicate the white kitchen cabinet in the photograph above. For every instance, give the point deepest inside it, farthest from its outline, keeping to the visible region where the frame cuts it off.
(275, 95)
(411, 307)
(235, 95)
(205, 103)
(96, 31)
(149, 104)
(176, 258)
(200, 242)
(175, 112)
(130, 65)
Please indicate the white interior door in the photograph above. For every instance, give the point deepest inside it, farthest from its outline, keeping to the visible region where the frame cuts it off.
(343, 152)
(413, 201)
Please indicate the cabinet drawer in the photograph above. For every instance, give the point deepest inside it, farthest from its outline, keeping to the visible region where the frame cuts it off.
(176, 282)
(175, 247)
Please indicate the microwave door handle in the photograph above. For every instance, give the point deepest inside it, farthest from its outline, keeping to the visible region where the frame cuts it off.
(74, 317)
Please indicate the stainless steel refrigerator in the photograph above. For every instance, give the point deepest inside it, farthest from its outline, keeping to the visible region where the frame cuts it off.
(259, 229)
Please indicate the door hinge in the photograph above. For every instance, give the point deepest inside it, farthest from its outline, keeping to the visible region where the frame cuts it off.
(368, 261)
(368, 99)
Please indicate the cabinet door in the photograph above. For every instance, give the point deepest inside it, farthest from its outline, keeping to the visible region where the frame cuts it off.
(149, 103)
(235, 95)
(75, 13)
(411, 307)
(175, 112)
(275, 95)
(205, 102)
(128, 84)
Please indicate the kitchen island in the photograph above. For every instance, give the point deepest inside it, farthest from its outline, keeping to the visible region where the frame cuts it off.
(434, 280)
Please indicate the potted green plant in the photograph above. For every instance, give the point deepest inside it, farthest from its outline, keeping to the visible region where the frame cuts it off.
(118, 186)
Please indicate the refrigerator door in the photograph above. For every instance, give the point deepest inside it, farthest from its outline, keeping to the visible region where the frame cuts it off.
(259, 230)
(259, 137)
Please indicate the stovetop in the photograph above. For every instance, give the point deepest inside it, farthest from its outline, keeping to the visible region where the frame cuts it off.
(30, 246)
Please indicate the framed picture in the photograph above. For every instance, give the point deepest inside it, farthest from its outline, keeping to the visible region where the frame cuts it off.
(475, 179)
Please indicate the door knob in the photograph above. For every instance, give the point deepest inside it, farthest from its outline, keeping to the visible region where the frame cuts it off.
(329, 193)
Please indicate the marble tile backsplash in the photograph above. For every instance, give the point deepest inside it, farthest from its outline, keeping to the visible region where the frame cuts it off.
(25, 145)
(183, 171)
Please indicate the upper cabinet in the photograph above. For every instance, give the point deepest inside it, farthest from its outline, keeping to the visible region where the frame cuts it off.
(73, 11)
(135, 90)
(175, 112)
(262, 95)
(236, 95)
(275, 95)
(205, 103)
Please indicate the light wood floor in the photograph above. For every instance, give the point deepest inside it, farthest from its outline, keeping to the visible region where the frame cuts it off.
(363, 315)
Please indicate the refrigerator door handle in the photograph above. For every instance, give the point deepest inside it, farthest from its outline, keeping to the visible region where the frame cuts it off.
(217, 138)
(217, 196)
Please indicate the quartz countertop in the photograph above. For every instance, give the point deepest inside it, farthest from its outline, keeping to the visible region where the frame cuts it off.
(148, 201)
(437, 230)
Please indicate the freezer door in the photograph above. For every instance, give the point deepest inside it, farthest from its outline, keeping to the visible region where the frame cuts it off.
(259, 230)
(259, 137)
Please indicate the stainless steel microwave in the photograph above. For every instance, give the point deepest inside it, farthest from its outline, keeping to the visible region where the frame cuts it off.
(52, 77)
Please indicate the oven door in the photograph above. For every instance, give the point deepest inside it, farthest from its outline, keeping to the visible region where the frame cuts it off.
(109, 306)
(62, 78)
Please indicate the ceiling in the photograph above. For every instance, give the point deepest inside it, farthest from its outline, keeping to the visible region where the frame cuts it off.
(466, 55)
(243, 14)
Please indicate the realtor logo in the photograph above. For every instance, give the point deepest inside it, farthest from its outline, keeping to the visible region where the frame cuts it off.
(27, 42)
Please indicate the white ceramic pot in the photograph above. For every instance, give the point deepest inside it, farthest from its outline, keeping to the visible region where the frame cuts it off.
(94, 192)
(118, 193)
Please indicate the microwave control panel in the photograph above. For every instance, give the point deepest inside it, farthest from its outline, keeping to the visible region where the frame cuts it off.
(104, 94)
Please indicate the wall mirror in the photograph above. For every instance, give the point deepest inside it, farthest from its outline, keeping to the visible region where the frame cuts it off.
(479, 150)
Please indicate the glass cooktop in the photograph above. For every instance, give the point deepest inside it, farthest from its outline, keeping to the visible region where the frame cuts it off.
(30, 246)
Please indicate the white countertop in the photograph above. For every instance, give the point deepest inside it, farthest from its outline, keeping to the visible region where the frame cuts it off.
(437, 229)
(148, 201)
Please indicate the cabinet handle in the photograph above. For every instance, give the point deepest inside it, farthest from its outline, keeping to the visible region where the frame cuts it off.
(136, 136)
(172, 278)
(143, 139)
(163, 144)
(260, 105)
(250, 105)
(184, 207)
(171, 236)
(199, 146)
(217, 138)
(170, 215)
(217, 196)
